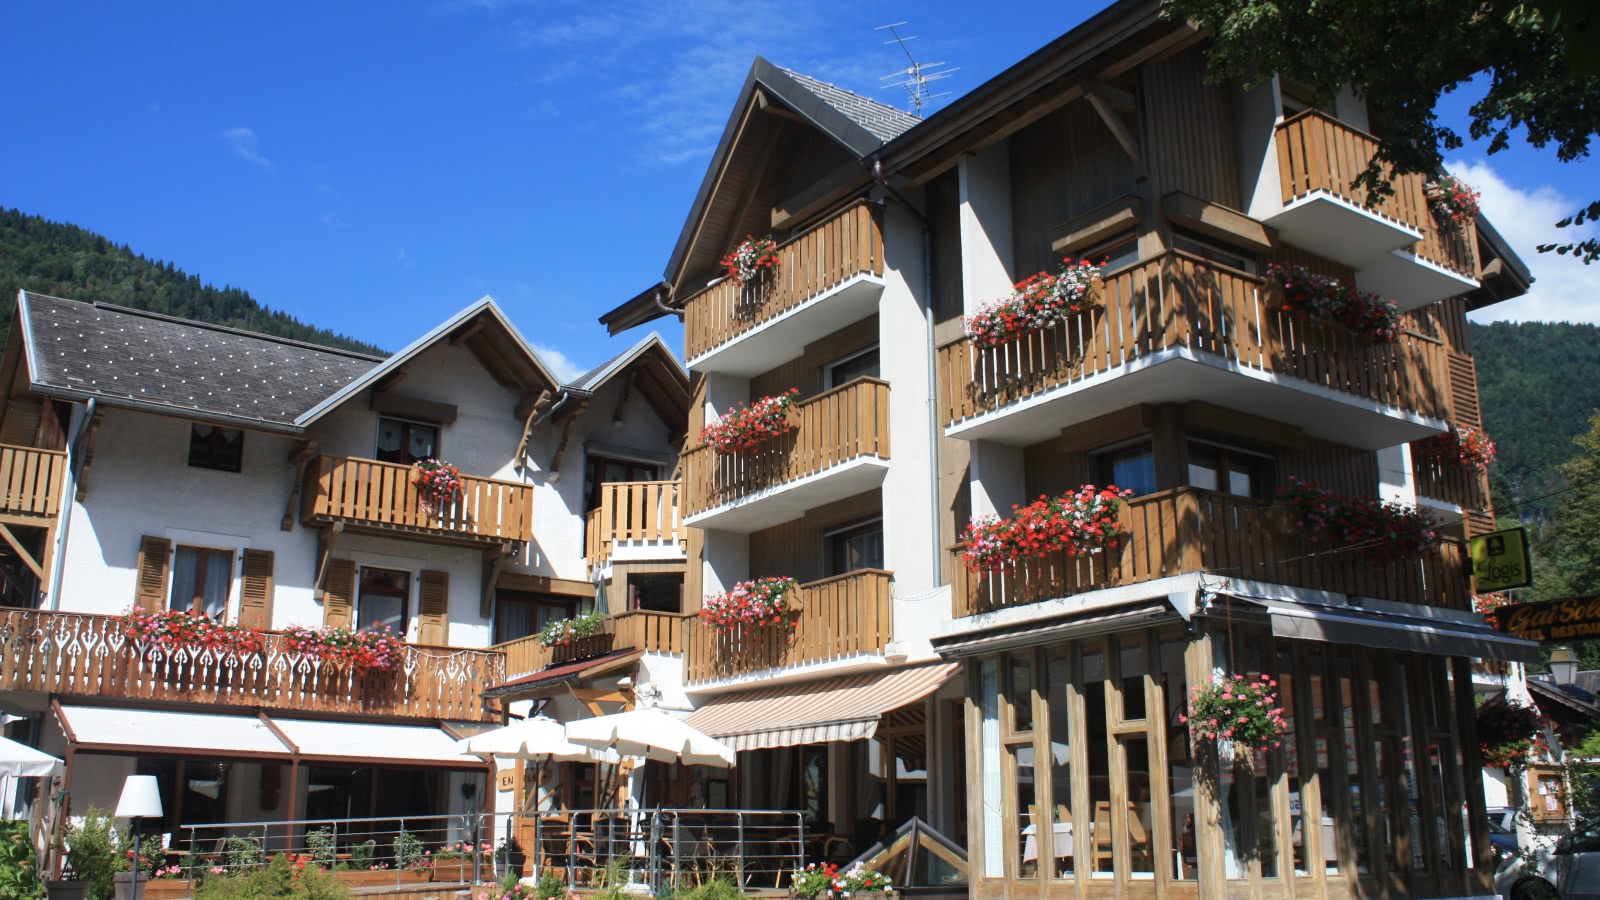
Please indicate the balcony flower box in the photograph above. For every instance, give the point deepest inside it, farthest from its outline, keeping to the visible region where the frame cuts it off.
(744, 428)
(173, 630)
(1036, 303)
(1462, 448)
(1379, 532)
(564, 632)
(1078, 522)
(1305, 294)
(167, 889)
(364, 650)
(767, 602)
(1452, 201)
(753, 259)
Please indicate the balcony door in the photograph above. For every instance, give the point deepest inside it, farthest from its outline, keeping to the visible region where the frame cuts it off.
(855, 546)
(519, 614)
(603, 470)
(404, 441)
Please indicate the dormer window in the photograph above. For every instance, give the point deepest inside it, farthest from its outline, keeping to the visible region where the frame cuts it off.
(404, 441)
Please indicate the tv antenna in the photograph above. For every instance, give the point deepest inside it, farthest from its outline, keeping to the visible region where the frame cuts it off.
(915, 78)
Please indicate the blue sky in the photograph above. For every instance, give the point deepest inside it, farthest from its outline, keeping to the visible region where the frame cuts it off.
(373, 167)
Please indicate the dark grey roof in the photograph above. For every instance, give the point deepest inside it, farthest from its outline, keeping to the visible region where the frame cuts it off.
(130, 357)
(883, 121)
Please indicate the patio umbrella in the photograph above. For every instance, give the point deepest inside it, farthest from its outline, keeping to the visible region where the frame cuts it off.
(652, 734)
(540, 739)
(21, 760)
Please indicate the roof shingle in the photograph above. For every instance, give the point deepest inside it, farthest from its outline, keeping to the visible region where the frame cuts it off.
(883, 121)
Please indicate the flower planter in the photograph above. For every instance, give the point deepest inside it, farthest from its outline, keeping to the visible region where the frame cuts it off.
(122, 884)
(166, 889)
(67, 889)
(381, 877)
(452, 870)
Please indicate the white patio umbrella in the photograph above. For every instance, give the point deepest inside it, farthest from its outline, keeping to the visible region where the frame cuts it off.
(21, 760)
(652, 734)
(540, 739)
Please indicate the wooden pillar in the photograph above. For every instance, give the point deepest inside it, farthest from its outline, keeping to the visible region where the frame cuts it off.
(292, 805)
(1211, 844)
(1472, 774)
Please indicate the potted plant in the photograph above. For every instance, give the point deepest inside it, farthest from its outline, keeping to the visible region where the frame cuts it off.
(453, 863)
(815, 880)
(748, 426)
(363, 650)
(1306, 294)
(1382, 531)
(1508, 733)
(1036, 303)
(19, 875)
(752, 259)
(1460, 447)
(509, 855)
(761, 601)
(1237, 709)
(562, 632)
(438, 484)
(1452, 201)
(859, 879)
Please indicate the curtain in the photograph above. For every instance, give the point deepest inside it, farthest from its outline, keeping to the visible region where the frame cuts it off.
(219, 577)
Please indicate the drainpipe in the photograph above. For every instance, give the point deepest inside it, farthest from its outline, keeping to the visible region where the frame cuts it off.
(68, 491)
(882, 180)
(667, 289)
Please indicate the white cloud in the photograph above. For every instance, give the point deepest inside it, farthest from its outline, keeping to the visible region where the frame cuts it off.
(246, 146)
(560, 365)
(1564, 289)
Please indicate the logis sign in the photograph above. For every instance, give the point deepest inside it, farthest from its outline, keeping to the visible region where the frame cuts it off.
(1500, 561)
(1576, 618)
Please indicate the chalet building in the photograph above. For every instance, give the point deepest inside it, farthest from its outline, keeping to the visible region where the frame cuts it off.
(153, 463)
(1035, 709)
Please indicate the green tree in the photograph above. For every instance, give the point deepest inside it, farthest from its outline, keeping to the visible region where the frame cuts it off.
(1568, 562)
(1535, 59)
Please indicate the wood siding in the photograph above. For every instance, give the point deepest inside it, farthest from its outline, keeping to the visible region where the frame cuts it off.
(797, 548)
(1189, 123)
(840, 617)
(832, 428)
(1064, 165)
(811, 263)
(1177, 300)
(84, 655)
(807, 372)
(380, 496)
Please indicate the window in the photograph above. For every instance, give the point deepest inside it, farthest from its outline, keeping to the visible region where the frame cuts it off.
(602, 470)
(403, 441)
(519, 614)
(1229, 470)
(1131, 467)
(658, 593)
(1225, 256)
(211, 447)
(384, 599)
(848, 369)
(858, 546)
(1116, 253)
(201, 579)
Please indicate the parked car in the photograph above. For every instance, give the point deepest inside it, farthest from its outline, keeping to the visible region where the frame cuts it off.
(1502, 839)
(1570, 871)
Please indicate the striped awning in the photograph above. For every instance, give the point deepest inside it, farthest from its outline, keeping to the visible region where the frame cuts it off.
(816, 712)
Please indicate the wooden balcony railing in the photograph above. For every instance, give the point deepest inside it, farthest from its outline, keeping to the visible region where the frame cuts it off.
(1317, 152)
(379, 496)
(1180, 301)
(832, 428)
(1463, 487)
(633, 512)
(638, 629)
(31, 481)
(1188, 530)
(811, 263)
(840, 617)
(88, 655)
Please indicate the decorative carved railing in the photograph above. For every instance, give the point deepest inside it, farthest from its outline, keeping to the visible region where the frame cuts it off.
(89, 655)
(840, 617)
(1189, 530)
(380, 496)
(811, 263)
(1180, 301)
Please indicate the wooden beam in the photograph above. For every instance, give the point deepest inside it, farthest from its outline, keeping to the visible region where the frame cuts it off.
(22, 553)
(1119, 130)
(566, 436)
(325, 544)
(494, 561)
(88, 454)
(996, 129)
(767, 106)
(391, 379)
(1113, 96)
(546, 584)
(828, 190)
(301, 456)
(622, 401)
(464, 333)
(530, 404)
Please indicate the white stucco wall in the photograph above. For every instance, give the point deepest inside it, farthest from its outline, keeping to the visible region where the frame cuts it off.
(987, 257)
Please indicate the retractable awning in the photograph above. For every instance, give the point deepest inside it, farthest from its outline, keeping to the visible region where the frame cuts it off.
(816, 712)
(1394, 631)
(374, 742)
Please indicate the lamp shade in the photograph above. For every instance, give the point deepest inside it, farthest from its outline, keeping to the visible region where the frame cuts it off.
(1564, 665)
(141, 798)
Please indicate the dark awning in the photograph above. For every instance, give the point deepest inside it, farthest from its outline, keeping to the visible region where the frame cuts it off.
(1440, 636)
(542, 680)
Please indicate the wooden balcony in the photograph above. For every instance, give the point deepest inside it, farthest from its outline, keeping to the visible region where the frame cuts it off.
(845, 616)
(828, 276)
(31, 480)
(1176, 328)
(378, 497)
(1397, 246)
(637, 519)
(639, 629)
(1187, 530)
(83, 655)
(837, 449)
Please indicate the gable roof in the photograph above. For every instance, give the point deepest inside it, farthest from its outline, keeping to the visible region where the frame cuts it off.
(134, 358)
(654, 370)
(881, 120)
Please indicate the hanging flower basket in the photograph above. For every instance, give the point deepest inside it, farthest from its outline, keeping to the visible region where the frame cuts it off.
(368, 650)
(1036, 303)
(1382, 532)
(438, 484)
(763, 601)
(1462, 448)
(1508, 733)
(171, 630)
(1078, 522)
(1452, 200)
(564, 631)
(754, 258)
(747, 427)
(1239, 709)
(1311, 296)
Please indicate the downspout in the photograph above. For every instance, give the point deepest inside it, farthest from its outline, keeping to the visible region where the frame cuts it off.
(934, 548)
(68, 492)
(669, 290)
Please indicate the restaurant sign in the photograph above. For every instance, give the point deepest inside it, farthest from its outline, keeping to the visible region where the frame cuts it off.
(1574, 619)
(1500, 561)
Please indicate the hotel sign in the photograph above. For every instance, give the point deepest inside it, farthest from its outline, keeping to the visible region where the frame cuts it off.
(1500, 561)
(1574, 619)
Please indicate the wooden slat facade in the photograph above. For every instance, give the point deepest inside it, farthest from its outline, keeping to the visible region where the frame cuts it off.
(380, 496)
(638, 629)
(832, 428)
(31, 480)
(1317, 152)
(840, 617)
(85, 655)
(1190, 530)
(633, 512)
(1177, 300)
(812, 263)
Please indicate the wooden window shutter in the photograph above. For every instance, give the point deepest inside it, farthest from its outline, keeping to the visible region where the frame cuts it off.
(255, 592)
(339, 593)
(150, 587)
(433, 609)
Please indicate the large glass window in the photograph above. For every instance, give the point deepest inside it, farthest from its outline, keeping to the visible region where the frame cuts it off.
(403, 441)
(384, 599)
(1059, 676)
(1102, 841)
(603, 470)
(201, 579)
(1180, 762)
(1229, 470)
(1132, 467)
(848, 369)
(519, 614)
(857, 546)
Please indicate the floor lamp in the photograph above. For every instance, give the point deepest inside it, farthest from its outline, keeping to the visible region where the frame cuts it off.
(141, 798)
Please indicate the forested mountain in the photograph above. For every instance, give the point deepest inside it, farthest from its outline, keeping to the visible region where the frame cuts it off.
(68, 261)
(1540, 383)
